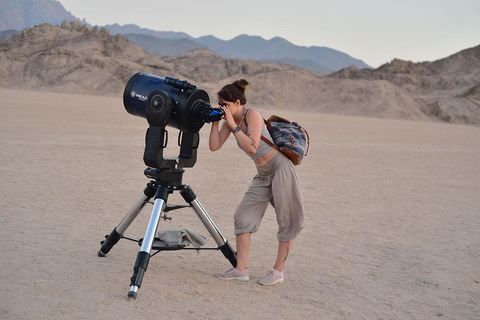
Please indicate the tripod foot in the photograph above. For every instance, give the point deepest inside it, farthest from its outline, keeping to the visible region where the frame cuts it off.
(229, 253)
(132, 294)
(109, 242)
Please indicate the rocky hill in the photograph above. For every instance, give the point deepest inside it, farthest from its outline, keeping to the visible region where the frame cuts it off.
(448, 89)
(75, 59)
(70, 58)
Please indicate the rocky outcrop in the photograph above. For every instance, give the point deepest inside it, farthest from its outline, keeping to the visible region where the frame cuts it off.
(446, 90)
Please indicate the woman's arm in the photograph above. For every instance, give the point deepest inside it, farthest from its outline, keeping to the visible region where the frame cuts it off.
(218, 137)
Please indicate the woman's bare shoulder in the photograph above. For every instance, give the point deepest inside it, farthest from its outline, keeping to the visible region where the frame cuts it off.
(253, 115)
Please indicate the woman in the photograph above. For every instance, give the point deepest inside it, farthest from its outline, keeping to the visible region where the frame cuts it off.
(276, 182)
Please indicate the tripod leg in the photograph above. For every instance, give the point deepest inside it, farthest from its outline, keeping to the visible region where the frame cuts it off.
(117, 233)
(143, 256)
(227, 250)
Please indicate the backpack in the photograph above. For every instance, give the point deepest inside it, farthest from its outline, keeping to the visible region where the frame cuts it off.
(288, 137)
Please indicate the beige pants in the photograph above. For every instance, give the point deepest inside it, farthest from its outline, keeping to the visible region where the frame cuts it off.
(275, 183)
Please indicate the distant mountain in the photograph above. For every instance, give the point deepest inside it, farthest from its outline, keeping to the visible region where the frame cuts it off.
(281, 50)
(162, 46)
(246, 47)
(20, 14)
(134, 29)
(7, 34)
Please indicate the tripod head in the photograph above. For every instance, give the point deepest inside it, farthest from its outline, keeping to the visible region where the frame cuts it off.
(169, 102)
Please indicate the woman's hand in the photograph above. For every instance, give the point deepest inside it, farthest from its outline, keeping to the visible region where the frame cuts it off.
(219, 136)
(228, 117)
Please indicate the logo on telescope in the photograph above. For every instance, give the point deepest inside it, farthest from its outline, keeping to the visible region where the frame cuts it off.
(133, 94)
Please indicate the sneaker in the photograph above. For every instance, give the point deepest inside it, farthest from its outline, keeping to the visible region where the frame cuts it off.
(272, 277)
(234, 274)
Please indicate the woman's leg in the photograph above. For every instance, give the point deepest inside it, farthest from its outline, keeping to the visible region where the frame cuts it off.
(275, 275)
(288, 203)
(243, 242)
(284, 249)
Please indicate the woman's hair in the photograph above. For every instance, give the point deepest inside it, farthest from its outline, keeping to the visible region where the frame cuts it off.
(232, 92)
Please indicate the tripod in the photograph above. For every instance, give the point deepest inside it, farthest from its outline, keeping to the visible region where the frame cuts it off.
(165, 181)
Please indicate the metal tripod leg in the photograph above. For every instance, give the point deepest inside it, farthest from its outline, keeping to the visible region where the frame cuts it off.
(143, 256)
(190, 197)
(118, 232)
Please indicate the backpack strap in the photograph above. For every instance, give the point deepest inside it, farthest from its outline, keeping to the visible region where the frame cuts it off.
(308, 141)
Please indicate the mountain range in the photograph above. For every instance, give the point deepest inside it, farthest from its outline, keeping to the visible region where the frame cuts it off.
(73, 58)
(19, 14)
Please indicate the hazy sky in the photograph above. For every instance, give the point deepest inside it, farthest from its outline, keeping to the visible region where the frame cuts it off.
(375, 31)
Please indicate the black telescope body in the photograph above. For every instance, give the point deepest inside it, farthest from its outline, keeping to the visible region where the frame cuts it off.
(169, 101)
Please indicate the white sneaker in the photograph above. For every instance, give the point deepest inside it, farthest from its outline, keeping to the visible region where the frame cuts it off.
(272, 277)
(234, 274)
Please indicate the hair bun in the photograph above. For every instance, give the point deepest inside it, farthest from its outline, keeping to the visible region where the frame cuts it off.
(241, 84)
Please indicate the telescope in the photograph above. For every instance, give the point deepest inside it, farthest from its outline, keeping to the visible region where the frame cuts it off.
(169, 102)
(181, 105)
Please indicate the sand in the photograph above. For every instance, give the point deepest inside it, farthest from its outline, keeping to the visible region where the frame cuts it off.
(392, 220)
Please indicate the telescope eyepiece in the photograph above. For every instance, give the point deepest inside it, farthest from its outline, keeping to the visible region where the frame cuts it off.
(214, 115)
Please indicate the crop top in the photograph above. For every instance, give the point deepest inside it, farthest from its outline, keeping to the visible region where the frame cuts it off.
(263, 147)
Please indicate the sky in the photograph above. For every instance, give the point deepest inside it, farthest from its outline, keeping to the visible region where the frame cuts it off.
(375, 31)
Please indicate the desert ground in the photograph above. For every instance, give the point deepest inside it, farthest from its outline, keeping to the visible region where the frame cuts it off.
(392, 219)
